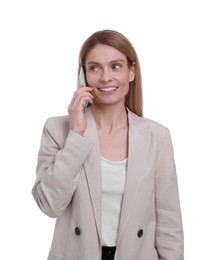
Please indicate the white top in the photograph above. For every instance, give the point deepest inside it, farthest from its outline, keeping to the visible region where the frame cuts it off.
(113, 181)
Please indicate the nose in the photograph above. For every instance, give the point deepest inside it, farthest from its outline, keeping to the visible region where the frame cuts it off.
(105, 75)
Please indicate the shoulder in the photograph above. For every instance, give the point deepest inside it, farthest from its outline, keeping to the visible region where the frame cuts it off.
(57, 124)
(158, 134)
(56, 128)
(57, 121)
(156, 128)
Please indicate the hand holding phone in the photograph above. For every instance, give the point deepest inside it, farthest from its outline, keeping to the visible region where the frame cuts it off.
(83, 82)
(81, 98)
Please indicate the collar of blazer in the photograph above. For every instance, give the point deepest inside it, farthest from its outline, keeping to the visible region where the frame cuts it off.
(137, 155)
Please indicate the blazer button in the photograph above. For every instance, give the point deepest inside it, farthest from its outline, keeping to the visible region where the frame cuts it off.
(77, 231)
(140, 233)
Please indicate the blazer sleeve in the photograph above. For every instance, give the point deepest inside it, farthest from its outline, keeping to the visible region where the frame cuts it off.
(169, 230)
(58, 168)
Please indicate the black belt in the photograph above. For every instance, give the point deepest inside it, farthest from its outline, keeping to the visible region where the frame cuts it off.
(108, 252)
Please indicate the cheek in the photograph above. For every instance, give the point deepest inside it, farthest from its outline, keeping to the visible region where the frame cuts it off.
(127, 79)
(91, 80)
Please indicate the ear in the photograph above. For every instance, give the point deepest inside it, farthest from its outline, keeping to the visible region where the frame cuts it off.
(132, 72)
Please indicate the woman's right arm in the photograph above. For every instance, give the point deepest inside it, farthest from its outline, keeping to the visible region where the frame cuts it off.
(58, 169)
(61, 156)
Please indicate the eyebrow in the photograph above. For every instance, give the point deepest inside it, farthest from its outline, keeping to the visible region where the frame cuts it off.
(112, 61)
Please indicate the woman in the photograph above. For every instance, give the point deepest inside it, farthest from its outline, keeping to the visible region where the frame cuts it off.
(107, 173)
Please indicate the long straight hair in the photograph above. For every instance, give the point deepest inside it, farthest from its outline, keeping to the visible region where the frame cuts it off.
(134, 98)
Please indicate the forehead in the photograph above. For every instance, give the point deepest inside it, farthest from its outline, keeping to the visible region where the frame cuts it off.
(104, 53)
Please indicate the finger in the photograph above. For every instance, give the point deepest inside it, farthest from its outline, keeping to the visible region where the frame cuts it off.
(77, 102)
(85, 95)
(82, 89)
(80, 92)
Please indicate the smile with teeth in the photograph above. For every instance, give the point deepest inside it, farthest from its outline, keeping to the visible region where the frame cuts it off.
(109, 89)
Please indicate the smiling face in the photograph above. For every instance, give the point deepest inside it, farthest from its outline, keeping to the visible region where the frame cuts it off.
(108, 74)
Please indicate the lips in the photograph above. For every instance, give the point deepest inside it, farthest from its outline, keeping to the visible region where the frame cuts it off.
(107, 89)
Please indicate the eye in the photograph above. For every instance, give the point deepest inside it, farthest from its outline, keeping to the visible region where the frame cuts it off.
(93, 68)
(116, 66)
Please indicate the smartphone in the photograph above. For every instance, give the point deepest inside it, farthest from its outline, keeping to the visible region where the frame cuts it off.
(83, 82)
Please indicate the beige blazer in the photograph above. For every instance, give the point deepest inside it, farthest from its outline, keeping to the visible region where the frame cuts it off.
(68, 187)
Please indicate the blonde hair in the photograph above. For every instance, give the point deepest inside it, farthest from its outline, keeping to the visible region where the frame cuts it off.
(134, 98)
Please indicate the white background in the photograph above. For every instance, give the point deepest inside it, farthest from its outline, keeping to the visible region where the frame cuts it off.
(176, 42)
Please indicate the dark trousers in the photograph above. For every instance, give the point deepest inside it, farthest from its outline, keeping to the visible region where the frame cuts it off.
(108, 253)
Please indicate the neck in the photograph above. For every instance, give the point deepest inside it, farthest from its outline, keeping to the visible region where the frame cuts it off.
(110, 119)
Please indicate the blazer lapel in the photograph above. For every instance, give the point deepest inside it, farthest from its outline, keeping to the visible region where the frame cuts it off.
(139, 137)
(92, 167)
